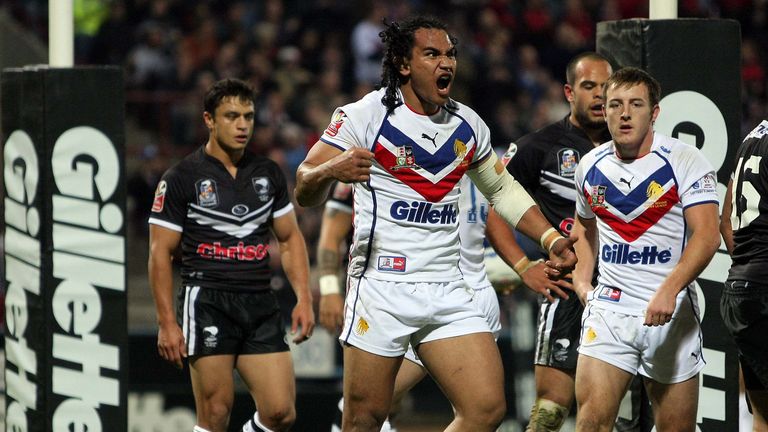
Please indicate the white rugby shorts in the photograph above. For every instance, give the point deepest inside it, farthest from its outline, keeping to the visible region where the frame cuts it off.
(486, 301)
(668, 354)
(384, 317)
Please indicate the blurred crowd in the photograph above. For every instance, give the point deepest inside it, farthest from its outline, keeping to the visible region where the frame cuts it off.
(306, 57)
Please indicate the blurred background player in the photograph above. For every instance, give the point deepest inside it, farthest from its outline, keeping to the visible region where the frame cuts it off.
(744, 303)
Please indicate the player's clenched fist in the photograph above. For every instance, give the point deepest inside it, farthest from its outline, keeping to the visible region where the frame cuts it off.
(353, 165)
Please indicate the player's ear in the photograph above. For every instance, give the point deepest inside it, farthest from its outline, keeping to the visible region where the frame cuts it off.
(208, 119)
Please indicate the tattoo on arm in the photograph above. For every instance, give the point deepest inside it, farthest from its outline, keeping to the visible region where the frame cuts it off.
(328, 261)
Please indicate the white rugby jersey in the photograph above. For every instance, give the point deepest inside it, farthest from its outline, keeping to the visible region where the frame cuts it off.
(473, 217)
(406, 215)
(639, 207)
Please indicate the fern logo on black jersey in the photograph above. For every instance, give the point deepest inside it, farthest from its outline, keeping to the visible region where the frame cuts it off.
(263, 188)
(206, 193)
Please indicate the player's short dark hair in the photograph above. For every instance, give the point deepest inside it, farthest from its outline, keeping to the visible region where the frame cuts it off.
(227, 87)
(570, 70)
(398, 39)
(630, 76)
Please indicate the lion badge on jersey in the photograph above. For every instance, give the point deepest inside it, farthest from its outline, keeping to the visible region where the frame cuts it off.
(460, 149)
(362, 326)
(206, 193)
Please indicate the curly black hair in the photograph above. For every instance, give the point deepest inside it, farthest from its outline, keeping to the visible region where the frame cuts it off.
(398, 41)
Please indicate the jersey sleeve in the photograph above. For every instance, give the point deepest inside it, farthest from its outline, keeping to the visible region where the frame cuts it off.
(483, 135)
(282, 204)
(169, 207)
(698, 182)
(525, 165)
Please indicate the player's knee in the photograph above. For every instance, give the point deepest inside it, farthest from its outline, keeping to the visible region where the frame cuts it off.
(488, 413)
(278, 420)
(215, 412)
(546, 416)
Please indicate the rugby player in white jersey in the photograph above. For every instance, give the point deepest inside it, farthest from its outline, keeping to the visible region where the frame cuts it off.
(405, 148)
(651, 201)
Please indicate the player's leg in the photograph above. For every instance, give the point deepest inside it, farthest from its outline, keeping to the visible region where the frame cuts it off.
(674, 405)
(557, 340)
(757, 392)
(272, 385)
(469, 371)
(369, 381)
(600, 386)
(211, 338)
(554, 396)
(609, 356)
(213, 387)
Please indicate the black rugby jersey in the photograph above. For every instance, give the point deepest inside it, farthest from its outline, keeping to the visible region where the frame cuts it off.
(749, 214)
(545, 163)
(225, 222)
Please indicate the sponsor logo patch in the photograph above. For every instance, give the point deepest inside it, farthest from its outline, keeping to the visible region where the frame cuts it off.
(336, 123)
(569, 159)
(392, 263)
(206, 193)
(610, 294)
(424, 213)
(159, 202)
(622, 253)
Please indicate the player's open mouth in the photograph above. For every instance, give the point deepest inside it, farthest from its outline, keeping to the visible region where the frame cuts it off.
(443, 81)
(597, 109)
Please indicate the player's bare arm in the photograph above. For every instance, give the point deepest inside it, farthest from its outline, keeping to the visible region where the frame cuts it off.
(295, 261)
(533, 274)
(726, 229)
(517, 208)
(170, 339)
(324, 164)
(702, 220)
(333, 230)
(586, 252)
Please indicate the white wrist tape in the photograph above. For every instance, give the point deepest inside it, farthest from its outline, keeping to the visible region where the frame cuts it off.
(329, 284)
(549, 238)
(506, 195)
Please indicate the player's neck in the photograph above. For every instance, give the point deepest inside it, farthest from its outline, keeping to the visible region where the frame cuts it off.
(228, 157)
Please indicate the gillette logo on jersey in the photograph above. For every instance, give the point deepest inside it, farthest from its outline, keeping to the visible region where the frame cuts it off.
(623, 254)
(424, 212)
(240, 251)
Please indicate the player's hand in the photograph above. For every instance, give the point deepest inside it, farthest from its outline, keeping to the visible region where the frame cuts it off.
(354, 165)
(332, 312)
(302, 317)
(562, 258)
(537, 280)
(171, 345)
(660, 308)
